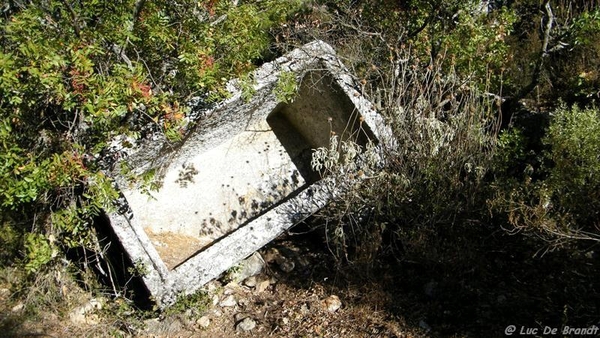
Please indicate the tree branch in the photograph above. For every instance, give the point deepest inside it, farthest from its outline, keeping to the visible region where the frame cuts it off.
(548, 30)
(535, 77)
(74, 18)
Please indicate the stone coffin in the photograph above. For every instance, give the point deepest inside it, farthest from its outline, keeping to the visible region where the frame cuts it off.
(242, 176)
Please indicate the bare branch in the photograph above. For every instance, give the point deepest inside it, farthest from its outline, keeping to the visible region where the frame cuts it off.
(74, 18)
(548, 30)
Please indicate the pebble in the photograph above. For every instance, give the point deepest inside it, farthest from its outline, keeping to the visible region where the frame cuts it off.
(229, 301)
(304, 309)
(168, 327)
(18, 307)
(333, 303)
(240, 316)
(262, 286)
(247, 324)
(203, 322)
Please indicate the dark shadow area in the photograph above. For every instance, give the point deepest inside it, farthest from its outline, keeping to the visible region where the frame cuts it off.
(11, 325)
(113, 268)
(467, 281)
(320, 109)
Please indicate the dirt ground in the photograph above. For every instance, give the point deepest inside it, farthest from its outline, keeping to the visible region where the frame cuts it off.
(451, 286)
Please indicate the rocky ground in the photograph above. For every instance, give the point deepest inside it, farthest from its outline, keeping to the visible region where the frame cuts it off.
(293, 291)
(449, 283)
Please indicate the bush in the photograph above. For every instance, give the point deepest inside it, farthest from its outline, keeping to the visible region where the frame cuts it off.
(574, 141)
(444, 129)
(559, 198)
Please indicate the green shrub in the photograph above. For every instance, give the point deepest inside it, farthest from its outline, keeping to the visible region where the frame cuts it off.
(286, 87)
(559, 197)
(73, 75)
(433, 174)
(574, 177)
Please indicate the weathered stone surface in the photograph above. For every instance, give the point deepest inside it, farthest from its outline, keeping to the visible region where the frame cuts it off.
(247, 324)
(250, 266)
(242, 176)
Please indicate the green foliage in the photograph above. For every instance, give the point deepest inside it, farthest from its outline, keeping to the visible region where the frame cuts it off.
(574, 141)
(139, 269)
(247, 83)
(477, 45)
(510, 149)
(73, 75)
(559, 197)
(286, 87)
(10, 241)
(567, 68)
(586, 27)
(196, 302)
(39, 252)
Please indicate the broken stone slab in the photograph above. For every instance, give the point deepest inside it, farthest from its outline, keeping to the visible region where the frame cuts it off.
(242, 175)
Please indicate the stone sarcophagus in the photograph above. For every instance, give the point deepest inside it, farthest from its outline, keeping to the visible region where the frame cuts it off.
(242, 175)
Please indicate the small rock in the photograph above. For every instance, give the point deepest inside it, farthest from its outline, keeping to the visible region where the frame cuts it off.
(82, 314)
(285, 321)
(167, 327)
(333, 303)
(286, 265)
(18, 307)
(304, 309)
(203, 322)
(262, 286)
(247, 324)
(250, 281)
(230, 288)
(229, 301)
(250, 266)
(215, 300)
(4, 293)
